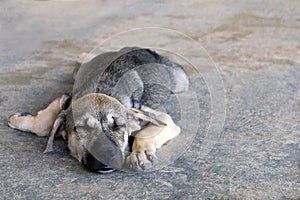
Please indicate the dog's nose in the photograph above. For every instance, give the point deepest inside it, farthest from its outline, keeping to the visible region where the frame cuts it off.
(104, 152)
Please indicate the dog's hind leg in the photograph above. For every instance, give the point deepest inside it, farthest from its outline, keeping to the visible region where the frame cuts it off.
(40, 124)
(81, 59)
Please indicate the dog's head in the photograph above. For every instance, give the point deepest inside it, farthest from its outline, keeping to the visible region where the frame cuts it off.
(98, 128)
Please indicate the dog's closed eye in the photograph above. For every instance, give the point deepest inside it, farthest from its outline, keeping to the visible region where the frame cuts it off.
(116, 125)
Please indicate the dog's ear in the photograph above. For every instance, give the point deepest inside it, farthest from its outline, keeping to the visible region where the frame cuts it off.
(56, 125)
(136, 117)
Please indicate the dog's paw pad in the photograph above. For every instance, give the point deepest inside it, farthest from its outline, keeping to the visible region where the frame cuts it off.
(16, 119)
(141, 160)
(25, 114)
(22, 114)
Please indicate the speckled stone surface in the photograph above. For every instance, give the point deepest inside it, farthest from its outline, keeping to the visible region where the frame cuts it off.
(256, 48)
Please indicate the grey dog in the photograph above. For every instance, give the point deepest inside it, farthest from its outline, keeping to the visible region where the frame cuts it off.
(116, 95)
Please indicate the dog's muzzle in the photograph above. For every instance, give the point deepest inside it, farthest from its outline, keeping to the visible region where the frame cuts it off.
(103, 155)
(91, 163)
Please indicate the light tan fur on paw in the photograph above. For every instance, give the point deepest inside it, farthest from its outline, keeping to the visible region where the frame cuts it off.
(149, 139)
(41, 124)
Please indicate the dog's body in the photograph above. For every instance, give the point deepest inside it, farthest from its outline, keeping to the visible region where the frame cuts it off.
(114, 94)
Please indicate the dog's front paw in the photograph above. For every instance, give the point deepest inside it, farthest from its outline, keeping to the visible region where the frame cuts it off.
(142, 158)
(18, 120)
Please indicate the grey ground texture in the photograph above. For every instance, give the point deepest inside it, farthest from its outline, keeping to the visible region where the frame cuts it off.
(256, 48)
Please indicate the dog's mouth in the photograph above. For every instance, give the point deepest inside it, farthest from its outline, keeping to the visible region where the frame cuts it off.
(94, 165)
(105, 169)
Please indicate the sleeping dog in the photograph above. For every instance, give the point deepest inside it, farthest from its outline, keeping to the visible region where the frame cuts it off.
(116, 95)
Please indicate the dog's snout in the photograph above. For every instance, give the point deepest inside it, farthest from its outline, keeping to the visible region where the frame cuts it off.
(102, 153)
(91, 163)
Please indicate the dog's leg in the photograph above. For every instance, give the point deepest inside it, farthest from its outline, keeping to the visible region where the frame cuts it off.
(84, 58)
(42, 123)
(149, 139)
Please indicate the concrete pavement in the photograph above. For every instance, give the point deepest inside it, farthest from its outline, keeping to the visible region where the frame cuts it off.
(255, 46)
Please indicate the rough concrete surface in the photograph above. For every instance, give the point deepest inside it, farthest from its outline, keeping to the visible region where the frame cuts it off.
(254, 44)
